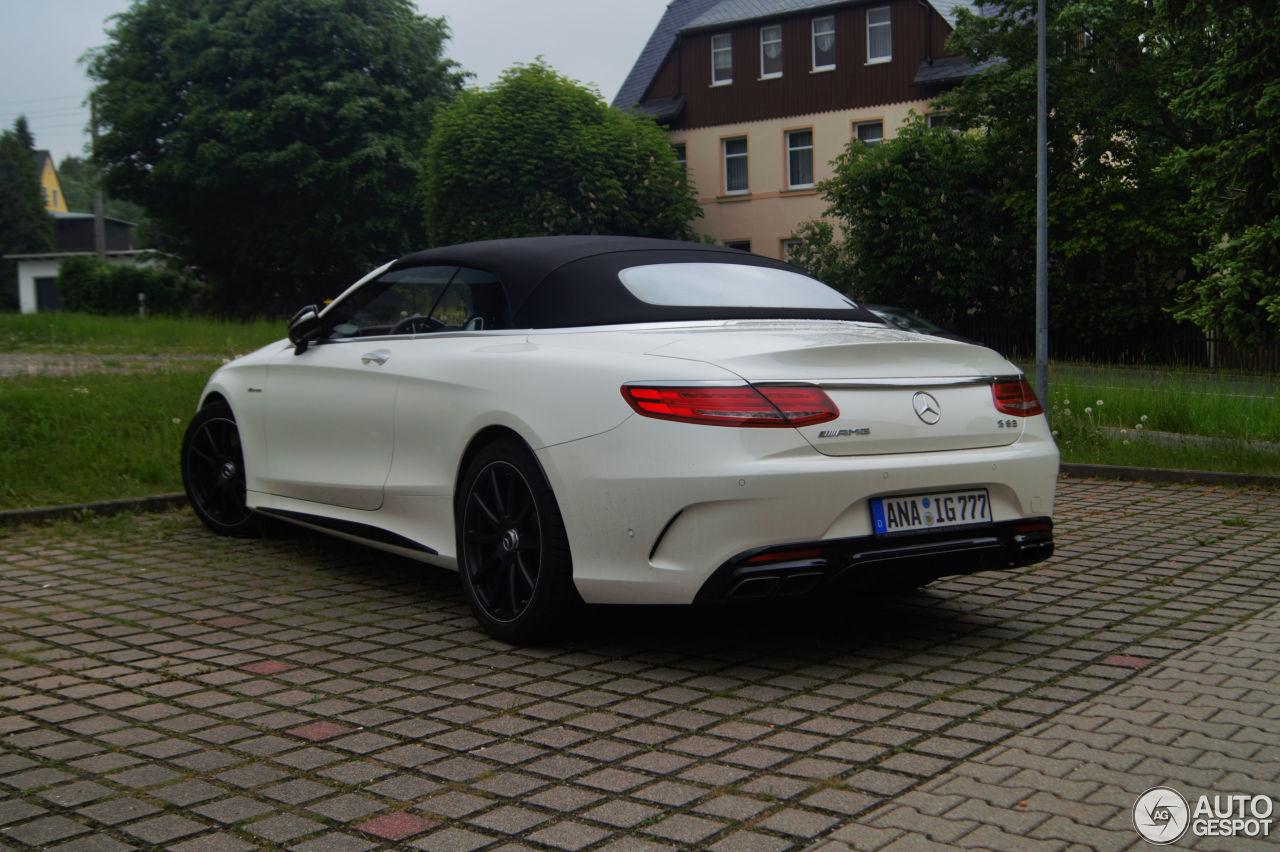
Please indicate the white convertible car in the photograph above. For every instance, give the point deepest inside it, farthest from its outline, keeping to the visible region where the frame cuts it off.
(624, 420)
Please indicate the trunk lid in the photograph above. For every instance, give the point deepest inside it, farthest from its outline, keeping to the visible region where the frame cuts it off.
(897, 391)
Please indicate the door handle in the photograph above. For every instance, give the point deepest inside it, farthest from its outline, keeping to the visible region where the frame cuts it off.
(379, 357)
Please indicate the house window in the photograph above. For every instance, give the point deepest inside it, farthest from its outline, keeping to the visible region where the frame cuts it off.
(771, 51)
(789, 248)
(940, 119)
(681, 153)
(740, 245)
(824, 43)
(879, 35)
(735, 166)
(799, 159)
(721, 59)
(869, 132)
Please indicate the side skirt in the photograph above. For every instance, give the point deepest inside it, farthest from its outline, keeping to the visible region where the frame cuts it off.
(352, 530)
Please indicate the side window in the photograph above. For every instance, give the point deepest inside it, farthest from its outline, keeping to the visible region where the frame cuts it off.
(771, 51)
(869, 132)
(879, 35)
(824, 43)
(721, 59)
(421, 300)
(480, 303)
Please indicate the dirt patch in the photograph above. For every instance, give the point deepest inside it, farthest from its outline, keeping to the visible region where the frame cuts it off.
(27, 364)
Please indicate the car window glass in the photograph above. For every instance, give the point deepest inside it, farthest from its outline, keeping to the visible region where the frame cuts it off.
(717, 285)
(421, 300)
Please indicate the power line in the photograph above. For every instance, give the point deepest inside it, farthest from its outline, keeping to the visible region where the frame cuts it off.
(43, 100)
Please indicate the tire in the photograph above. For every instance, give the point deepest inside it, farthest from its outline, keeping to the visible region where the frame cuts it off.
(213, 473)
(513, 553)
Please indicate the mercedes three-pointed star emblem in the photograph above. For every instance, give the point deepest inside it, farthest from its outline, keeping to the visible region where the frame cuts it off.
(927, 407)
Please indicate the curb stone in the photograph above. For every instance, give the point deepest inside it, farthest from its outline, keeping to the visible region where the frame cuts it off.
(102, 508)
(1171, 476)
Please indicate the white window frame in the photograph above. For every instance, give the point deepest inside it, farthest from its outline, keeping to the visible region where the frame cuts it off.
(773, 37)
(725, 42)
(791, 184)
(815, 34)
(887, 25)
(857, 131)
(744, 155)
(940, 119)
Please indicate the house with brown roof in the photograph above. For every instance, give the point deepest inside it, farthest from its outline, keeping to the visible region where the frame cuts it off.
(759, 96)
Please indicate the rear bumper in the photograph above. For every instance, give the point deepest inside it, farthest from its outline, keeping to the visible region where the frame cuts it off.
(804, 568)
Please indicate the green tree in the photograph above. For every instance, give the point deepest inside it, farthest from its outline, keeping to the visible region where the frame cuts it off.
(1231, 85)
(924, 226)
(23, 132)
(25, 225)
(275, 143)
(537, 153)
(1123, 229)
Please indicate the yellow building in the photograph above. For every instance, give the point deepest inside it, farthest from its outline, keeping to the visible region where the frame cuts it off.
(54, 199)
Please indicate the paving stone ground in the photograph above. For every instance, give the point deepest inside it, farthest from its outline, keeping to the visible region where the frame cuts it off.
(163, 688)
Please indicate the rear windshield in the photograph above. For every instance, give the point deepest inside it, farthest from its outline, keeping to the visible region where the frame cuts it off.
(728, 285)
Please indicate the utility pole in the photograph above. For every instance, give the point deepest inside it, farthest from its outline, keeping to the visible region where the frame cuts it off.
(99, 222)
(1042, 208)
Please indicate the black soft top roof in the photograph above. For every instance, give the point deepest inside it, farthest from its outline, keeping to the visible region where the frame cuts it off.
(570, 281)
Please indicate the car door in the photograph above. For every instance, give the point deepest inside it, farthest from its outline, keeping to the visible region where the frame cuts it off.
(330, 413)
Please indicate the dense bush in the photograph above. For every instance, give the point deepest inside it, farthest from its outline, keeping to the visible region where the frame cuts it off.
(93, 286)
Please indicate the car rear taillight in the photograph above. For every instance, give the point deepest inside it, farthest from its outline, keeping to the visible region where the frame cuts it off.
(1016, 398)
(741, 405)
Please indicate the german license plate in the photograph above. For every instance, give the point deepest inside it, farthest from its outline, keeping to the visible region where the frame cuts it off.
(915, 512)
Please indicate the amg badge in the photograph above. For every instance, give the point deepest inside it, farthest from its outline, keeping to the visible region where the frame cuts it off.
(844, 433)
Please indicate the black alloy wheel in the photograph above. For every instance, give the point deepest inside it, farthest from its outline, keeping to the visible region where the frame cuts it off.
(213, 472)
(513, 553)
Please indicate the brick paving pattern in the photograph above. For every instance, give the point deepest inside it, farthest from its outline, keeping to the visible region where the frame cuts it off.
(163, 688)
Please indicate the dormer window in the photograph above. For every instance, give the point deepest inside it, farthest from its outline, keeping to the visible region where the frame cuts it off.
(771, 51)
(879, 35)
(721, 59)
(824, 43)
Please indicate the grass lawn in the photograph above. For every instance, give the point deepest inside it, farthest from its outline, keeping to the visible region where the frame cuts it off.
(96, 436)
(83, 334)
(115, 433)
(1104, 415)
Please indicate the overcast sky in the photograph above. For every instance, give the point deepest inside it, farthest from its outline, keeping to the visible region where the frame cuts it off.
(593, 41)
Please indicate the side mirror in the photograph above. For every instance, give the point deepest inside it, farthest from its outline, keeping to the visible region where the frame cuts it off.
(304, 328)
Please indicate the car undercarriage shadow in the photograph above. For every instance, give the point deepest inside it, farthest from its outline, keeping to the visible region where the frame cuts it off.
(853, 620)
